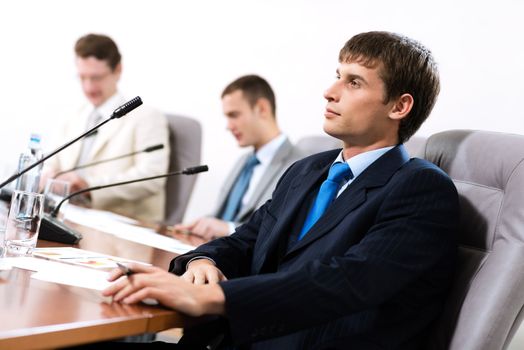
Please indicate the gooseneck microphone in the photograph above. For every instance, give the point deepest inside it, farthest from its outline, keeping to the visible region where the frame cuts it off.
(83, 166)
(118, 113)
(51, 229)
(126, 108)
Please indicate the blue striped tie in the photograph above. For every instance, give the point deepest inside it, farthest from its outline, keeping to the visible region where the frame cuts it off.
(239, 189)
(326, 195)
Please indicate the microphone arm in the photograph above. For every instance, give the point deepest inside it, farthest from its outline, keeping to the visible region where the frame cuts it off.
(187, 171)
(147, 149)
(52, 229)
(118, 113)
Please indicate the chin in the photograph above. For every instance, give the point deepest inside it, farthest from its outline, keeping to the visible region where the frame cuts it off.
(95, 100)
(329, 130)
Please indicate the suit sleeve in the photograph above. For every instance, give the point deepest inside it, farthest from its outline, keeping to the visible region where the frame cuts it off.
(232, 254)
(413, 233)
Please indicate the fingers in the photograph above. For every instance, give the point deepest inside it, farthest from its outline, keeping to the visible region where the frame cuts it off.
(129, 285)
(142, 268)
(188, 276)
(200, 278)
(138, 296)
(115, 287)
(213, 278)
(114, 275)
(123, 283)
(204, 275)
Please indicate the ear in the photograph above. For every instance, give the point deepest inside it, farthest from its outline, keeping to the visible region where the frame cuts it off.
(118, 69)
(401, 107)
(262, 107)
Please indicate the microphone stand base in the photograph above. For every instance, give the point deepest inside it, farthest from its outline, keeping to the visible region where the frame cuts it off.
(52, 229)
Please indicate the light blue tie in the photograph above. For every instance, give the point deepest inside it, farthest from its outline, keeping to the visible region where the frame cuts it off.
(239, 189)
(326, 194)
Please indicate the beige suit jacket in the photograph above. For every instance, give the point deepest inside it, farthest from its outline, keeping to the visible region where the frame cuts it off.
(139, 129)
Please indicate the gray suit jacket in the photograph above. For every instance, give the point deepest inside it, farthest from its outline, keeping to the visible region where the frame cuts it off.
(286, 155)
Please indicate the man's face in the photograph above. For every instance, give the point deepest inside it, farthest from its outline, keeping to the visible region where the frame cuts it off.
(355, 111)
(242, 120)
(98, 81)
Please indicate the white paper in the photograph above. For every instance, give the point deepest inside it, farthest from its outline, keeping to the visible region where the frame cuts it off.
(50, 271)
(4, 265)
(75, 276)
(84, 216)
(103, 222)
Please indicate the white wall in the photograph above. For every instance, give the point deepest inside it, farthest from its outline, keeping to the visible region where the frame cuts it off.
(178, 55)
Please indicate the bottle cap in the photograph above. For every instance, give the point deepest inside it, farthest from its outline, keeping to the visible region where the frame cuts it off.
(35, 138)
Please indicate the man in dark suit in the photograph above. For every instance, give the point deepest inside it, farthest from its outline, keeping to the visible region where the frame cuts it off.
(250, 108)
(369, 272)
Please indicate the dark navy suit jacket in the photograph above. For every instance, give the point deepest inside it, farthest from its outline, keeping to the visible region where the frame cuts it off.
(372, 273)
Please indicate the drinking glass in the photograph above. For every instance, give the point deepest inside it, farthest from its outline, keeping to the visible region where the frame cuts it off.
(23, 223)
(3, 221)
(55, 191)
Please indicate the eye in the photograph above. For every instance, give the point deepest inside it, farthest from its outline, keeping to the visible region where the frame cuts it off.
(337, 77)
(354, 83)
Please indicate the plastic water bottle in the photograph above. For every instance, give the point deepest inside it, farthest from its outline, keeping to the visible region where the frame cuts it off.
(30, 181)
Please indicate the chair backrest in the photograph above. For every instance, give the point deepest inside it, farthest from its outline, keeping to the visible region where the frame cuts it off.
(415, 145)
(185, 140)
(485, 305)
(317, 143)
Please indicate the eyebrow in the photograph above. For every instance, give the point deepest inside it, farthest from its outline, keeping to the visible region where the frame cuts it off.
(351, 76)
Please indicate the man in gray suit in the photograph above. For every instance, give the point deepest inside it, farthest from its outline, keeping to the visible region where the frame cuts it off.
(249, 106)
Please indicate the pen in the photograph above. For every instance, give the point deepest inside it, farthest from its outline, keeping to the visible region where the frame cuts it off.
(126, 270)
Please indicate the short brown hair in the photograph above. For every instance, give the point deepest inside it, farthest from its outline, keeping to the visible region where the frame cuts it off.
(100, 46)
(253, 87)
(406, 67)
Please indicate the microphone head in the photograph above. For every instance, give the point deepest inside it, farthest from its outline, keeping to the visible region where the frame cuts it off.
(154, 148)
(195, 170)
(127, 107)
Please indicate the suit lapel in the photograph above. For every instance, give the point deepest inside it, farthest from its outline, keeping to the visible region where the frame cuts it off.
(303, 184)
(272, 170)
(376, 175)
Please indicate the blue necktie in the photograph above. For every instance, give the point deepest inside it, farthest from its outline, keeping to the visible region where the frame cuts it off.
(239, 189)
(326, 195)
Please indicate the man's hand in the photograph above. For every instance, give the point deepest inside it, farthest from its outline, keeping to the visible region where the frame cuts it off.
(76, 182)
(168, 289)
(207, 227)
(202, 271)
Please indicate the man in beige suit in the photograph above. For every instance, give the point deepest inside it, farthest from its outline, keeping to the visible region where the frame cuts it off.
(249, 106)
(99, 66)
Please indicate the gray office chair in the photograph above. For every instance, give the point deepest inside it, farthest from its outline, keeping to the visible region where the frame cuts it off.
(318, 143)
(415, 145)
(185, 140)
(485, 306)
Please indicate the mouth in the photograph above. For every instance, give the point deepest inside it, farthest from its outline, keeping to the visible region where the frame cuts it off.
(329, 113)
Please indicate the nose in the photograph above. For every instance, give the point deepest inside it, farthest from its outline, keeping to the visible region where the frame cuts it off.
(332, 93)
(229, 124)
(88, 86)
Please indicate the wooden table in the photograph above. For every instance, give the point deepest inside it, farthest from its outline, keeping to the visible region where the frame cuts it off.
(42, 315)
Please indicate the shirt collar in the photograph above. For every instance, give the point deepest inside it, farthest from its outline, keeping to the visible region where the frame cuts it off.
(107, 108)
(266, 153)
(361, 161)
